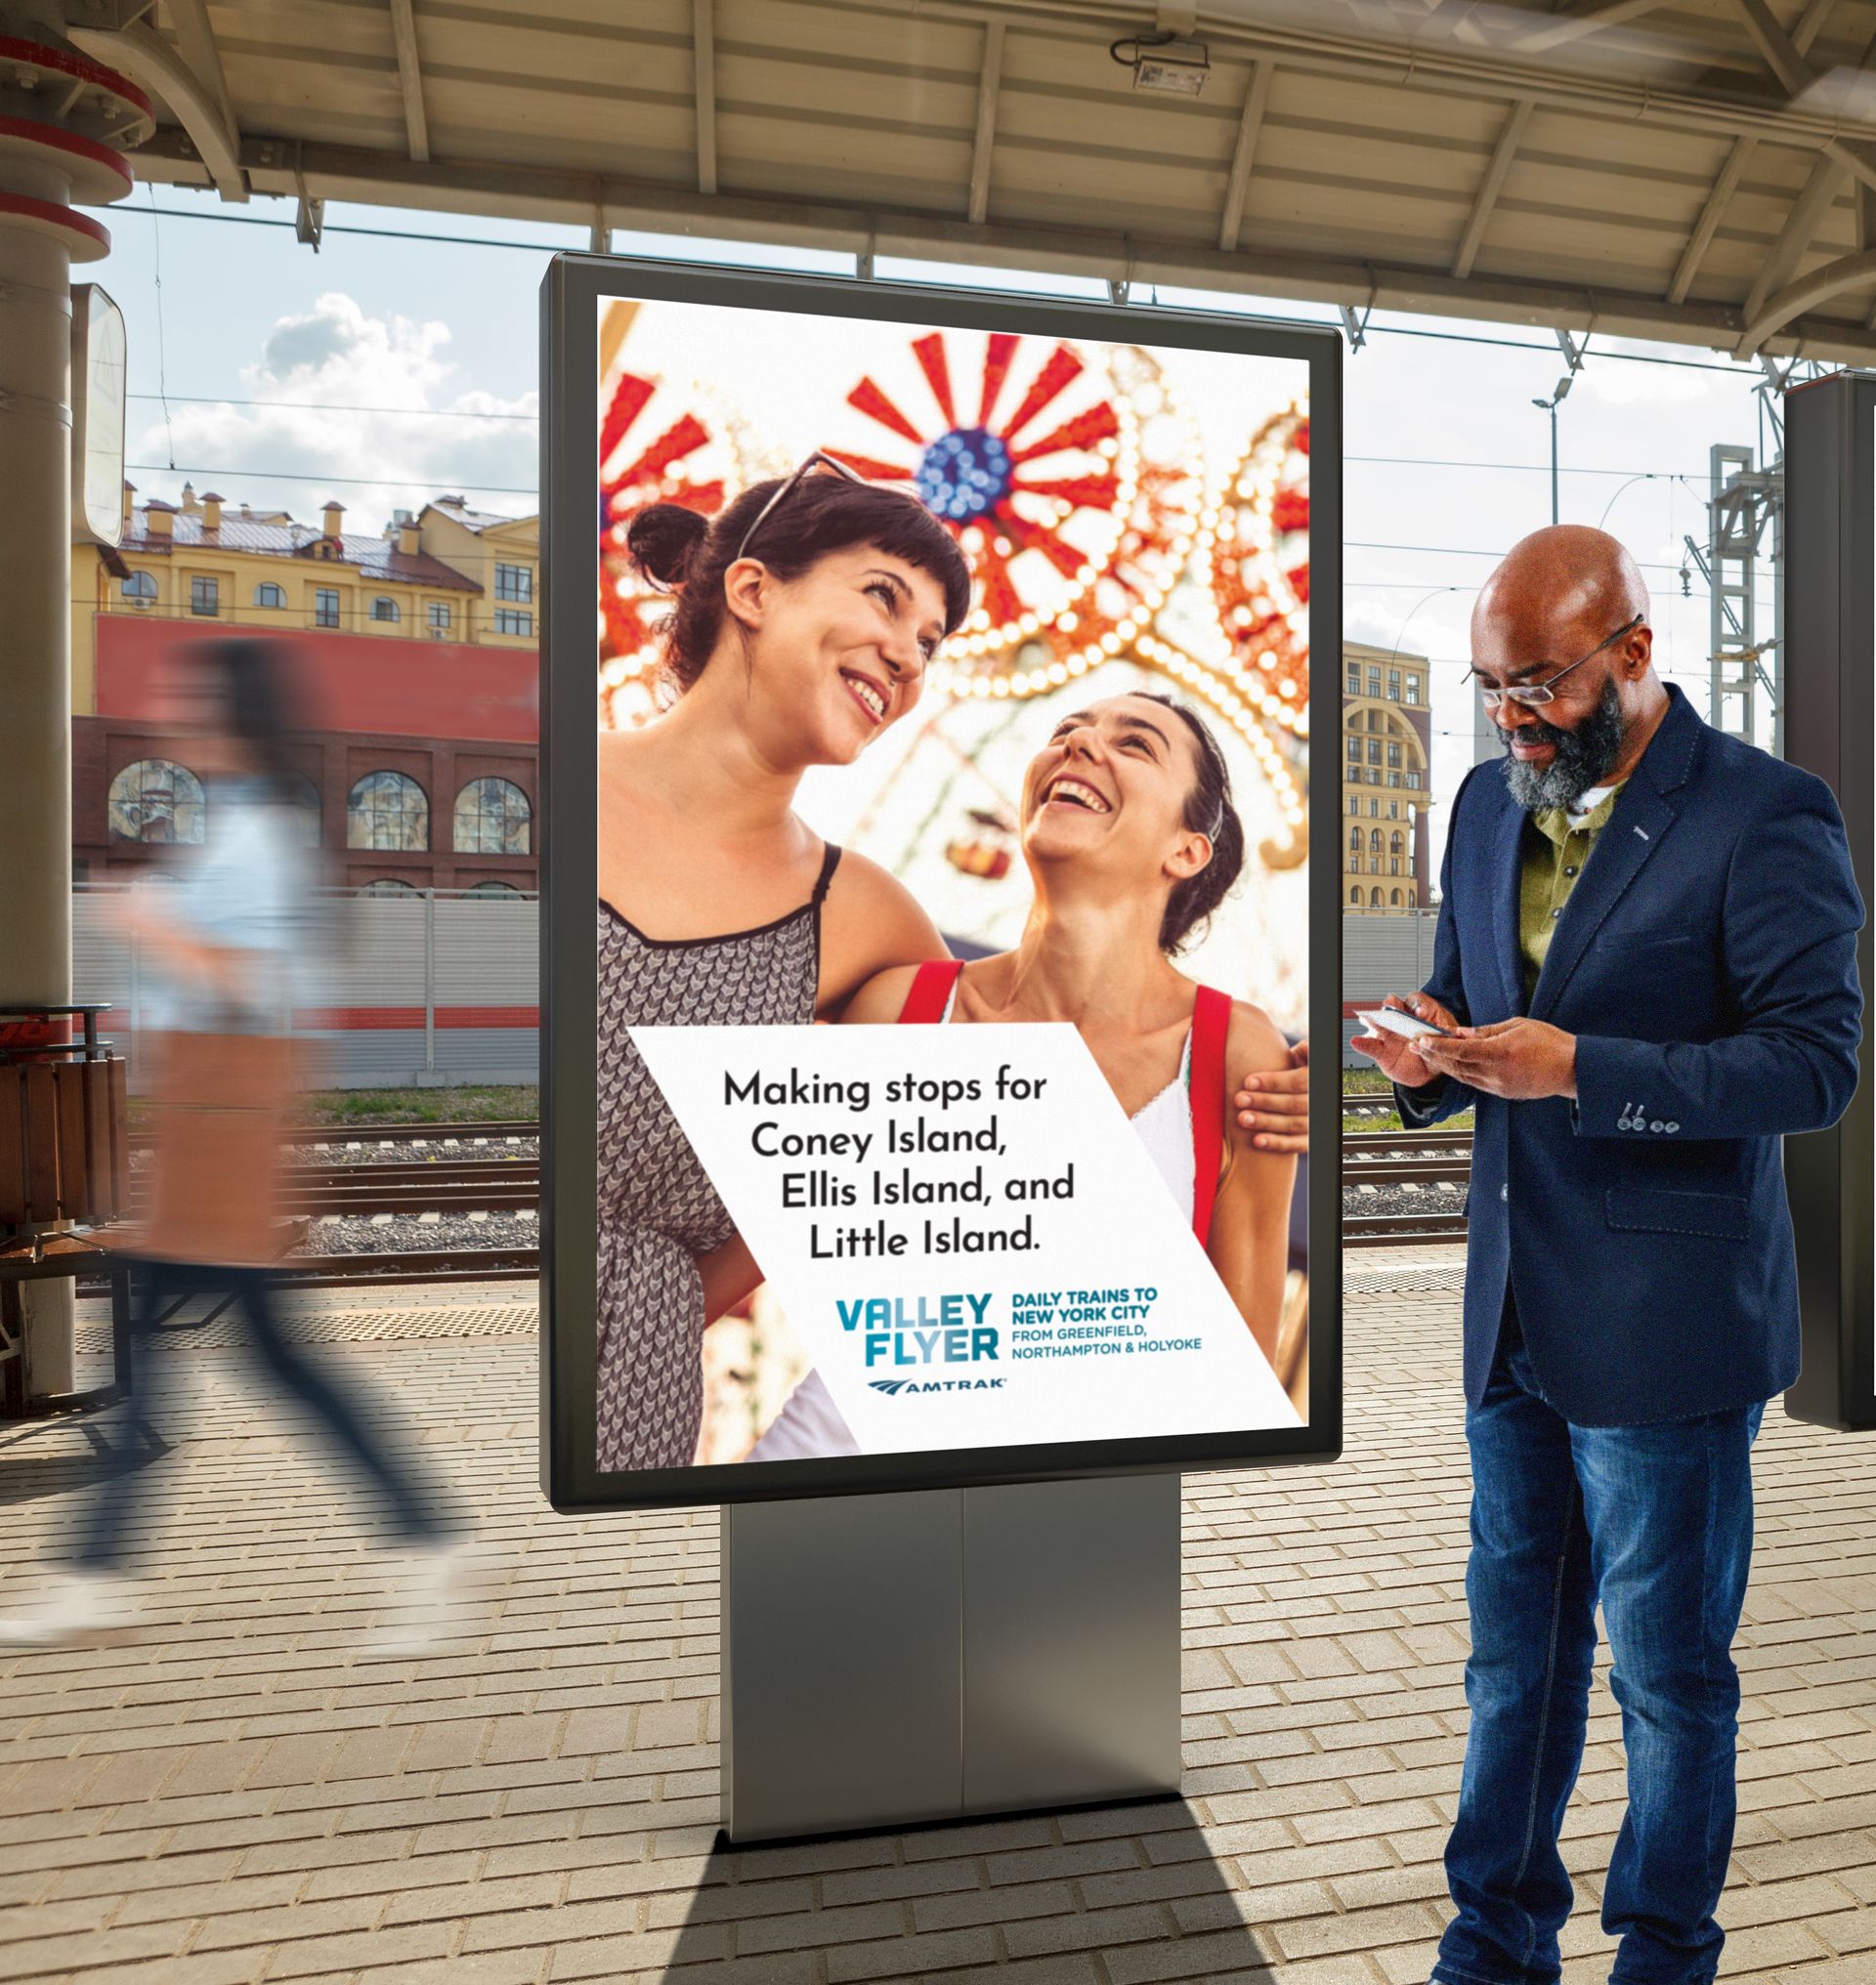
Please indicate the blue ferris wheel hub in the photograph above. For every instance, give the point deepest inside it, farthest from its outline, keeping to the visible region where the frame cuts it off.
(964, 473)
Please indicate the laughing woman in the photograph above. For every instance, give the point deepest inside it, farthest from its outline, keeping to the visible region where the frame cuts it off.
(806, 615)
(1131, 842)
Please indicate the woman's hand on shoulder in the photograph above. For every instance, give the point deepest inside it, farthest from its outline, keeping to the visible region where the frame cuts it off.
(1260, 1072)
(872, 925)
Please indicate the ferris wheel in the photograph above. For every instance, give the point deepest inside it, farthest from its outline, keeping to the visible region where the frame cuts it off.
(1071, 479)
(658, 442)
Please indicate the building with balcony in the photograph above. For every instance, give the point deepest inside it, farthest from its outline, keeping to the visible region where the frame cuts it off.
(1386, 779)
(418, 678)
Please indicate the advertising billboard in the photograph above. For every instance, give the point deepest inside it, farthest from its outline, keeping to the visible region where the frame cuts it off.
(1830, 728)
(928, 860)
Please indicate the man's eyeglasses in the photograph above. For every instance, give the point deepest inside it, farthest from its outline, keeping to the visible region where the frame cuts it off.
(1530, 694)
(819, 459)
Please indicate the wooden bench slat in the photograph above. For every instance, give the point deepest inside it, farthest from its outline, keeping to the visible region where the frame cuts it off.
(74, 1184)
(12, 1147)
(42, 1142)
(119, 1136)
(98, 1173)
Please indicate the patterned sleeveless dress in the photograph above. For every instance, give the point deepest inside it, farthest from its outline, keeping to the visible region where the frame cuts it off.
(658, 1209)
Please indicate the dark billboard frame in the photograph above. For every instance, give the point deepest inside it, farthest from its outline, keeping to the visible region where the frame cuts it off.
(1831, 726)
(571, 296)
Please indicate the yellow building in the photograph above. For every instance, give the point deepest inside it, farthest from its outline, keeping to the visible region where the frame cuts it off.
(1386, 781)
(449, 574)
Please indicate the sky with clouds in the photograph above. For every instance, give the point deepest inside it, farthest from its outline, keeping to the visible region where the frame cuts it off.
(389, 368)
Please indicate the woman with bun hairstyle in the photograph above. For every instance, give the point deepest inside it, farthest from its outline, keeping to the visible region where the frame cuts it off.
(1131, 842)
(806, 614)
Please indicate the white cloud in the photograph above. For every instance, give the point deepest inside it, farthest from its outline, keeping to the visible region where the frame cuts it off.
(341, 404)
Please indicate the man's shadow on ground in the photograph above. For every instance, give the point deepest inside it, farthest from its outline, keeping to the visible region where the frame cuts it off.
(975, 1892)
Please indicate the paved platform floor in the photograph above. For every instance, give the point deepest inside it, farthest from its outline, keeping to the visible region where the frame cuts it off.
(226, 1791)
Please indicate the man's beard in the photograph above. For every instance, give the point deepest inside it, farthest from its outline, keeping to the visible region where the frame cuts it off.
(1584, 757)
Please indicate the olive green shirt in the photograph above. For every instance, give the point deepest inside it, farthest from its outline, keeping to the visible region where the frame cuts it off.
(1555, 855)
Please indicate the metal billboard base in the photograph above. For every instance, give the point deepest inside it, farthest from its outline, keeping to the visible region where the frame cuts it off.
(927, 1655)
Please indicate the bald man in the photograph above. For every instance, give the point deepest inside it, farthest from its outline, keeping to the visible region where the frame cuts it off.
(1645, 967)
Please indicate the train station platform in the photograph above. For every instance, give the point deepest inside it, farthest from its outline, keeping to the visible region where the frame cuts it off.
(229, 1790)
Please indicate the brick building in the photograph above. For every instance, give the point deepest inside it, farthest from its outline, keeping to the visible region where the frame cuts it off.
(1386, 779)
(418, 673)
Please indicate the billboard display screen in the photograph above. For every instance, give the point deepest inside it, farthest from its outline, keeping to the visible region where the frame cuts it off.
(929, 861)
(1830, 728)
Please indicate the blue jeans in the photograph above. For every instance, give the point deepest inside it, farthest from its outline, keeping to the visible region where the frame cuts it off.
(111, 1524)
(1655, 1522)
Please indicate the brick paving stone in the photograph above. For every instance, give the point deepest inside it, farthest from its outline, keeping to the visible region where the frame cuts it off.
(230, 1792)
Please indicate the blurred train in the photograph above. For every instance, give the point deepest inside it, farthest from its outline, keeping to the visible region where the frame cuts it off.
(404, 990)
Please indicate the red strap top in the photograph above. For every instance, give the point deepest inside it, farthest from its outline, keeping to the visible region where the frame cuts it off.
(931, 988)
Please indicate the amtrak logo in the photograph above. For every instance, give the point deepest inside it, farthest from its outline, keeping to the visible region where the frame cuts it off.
(892, 1386)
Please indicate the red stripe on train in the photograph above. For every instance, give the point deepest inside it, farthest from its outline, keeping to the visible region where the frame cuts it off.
(410, 1019)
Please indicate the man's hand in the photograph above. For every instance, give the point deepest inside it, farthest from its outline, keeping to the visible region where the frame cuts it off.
(1276, 1105)
(1521, 1060)
(1397, 1057)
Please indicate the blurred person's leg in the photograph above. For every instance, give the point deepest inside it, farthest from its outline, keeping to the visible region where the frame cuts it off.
(106, 1542)
(416, 1519)
(91, 1593)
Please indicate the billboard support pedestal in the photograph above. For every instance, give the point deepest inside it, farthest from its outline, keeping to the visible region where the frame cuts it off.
(927, 1655)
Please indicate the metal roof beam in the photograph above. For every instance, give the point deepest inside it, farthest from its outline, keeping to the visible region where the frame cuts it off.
(1708, 224)
(704, 52)
(1782, 55)
(990, 77)
(404, 31)
(146, 58)
(1831, 279)
(1810, 26)
(534, 193)
(1250, 128)
(1817, 198)
(1489, 187)
(1589, 19)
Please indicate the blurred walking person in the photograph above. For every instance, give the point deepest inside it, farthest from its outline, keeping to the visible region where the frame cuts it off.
(222, 948)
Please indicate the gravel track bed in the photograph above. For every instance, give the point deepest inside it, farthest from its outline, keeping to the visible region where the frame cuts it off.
(389, 1150)
(1403, 1199)
(400, 1234)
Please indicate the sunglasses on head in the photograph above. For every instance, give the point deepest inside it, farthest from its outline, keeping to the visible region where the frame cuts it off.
(819, 459)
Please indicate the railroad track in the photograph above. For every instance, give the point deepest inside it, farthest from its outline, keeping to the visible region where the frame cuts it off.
(461, 1184)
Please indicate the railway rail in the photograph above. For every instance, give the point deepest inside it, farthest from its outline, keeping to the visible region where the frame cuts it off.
(477, 1181)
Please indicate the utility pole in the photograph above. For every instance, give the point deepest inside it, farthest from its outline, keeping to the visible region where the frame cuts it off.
(1551, 405)
(1745, 507)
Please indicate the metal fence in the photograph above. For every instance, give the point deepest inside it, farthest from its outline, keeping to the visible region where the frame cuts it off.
(438, 985)
(413, 989)
(1382, 954)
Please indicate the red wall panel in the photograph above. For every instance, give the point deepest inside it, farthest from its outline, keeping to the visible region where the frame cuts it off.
(380, 684)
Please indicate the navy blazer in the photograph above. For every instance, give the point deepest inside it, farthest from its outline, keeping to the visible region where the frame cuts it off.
(1706, 962)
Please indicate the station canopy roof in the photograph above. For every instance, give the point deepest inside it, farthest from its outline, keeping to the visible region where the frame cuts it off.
(1695, 170)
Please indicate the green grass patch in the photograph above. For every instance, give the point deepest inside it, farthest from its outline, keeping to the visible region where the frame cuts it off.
(470, 1103)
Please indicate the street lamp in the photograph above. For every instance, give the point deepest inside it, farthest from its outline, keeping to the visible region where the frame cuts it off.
(1550, 406)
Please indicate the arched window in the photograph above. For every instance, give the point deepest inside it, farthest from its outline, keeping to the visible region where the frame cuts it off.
(269, 594)
(156, 801)
(140, 586)
(1394, 842)
(1396, 899)
(384, 608)
(492, 818)
(388, 885)
(486, 890)
(388, 810)
(1354, 840)
(1374, 841)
